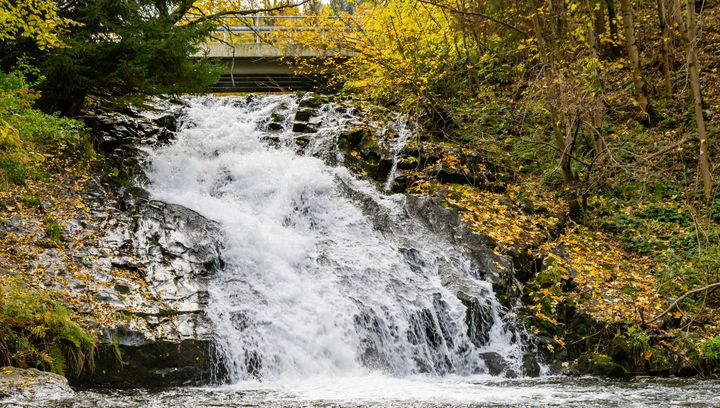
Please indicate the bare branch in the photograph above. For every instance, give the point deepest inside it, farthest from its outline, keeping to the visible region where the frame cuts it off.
(226, 13)
(684, 295)
(668, 149)
(475, 14)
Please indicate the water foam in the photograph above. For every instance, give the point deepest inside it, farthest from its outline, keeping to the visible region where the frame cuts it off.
(324, 275)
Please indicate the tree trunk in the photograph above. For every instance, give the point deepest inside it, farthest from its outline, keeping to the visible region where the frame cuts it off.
(676, 20)
(598, 20)
(613, 51)
(641, 88)
(665, 38)
(694, 76)
(597, 112)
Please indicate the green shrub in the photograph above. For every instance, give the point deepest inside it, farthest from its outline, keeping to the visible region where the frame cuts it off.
(53, 230)
(711, 353)
(28, 137)
(38, 331)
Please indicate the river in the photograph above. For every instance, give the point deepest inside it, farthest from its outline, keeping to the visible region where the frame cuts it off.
(416, 392)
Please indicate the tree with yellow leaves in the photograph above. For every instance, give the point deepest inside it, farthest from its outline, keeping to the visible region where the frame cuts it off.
(399, 50)
(37, 20)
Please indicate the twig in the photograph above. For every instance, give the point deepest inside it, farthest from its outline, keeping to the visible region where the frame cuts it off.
(684, 295)
(225, 13)
(667, 149)
(470, 13)
(584, 163)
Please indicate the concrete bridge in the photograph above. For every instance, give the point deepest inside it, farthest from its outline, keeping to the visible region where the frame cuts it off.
(259, 53)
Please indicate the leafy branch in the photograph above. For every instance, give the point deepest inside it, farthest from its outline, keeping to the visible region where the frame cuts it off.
(235, 13)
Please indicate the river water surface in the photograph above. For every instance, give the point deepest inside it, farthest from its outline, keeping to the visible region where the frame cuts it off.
(380, 391)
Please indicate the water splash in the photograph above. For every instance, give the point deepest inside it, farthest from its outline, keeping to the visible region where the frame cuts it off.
(324, 275)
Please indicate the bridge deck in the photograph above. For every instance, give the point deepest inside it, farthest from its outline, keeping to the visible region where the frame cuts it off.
(259, 51)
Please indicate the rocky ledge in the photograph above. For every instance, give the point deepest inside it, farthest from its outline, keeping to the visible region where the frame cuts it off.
(17, 385)
(136, 269)
(159, 258)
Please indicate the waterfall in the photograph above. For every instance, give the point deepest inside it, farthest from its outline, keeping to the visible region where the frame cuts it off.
(323, 273)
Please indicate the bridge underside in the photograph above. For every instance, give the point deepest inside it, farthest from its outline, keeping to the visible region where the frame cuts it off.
(266, 74)
(261, 67)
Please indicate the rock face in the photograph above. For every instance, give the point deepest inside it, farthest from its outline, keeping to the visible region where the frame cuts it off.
(17, 384)
(150, 263)
(164, 336)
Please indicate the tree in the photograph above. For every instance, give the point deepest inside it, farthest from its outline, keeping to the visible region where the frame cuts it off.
(565, 123)
(642, 93)
(117, 47)
(694, 75)
(128, 46)
(36, 20)
(401, 51)
(665, 45)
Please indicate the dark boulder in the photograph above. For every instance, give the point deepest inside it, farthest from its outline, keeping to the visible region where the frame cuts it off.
(494, 362)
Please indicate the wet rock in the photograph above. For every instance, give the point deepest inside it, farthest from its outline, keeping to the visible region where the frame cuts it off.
(277, 121)
(530, 365)
(167, 120)
(495, 363)
(447, 223)
(18, 384)
(312, 100)
(304, 115)
(176, 248)
(148, 265)
(132, 196)
(451, 175)
(302, 141)
(120, 134)
(272, 141)
(155, 364)
(602, 365)
(400, 183)
(365, 154)
(303, 122)
(154, 264)
(350, 138)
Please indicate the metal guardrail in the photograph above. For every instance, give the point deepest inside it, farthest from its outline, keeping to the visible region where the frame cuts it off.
(260, 28)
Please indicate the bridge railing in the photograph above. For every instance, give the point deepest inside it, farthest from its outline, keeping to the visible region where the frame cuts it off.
(262, 29)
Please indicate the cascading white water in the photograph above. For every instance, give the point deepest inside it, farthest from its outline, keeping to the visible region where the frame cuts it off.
(403, 134)
(323, 275)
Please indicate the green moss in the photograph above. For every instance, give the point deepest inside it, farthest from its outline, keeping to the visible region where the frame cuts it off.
(53, 230)
(602, 365)
(711, 354)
